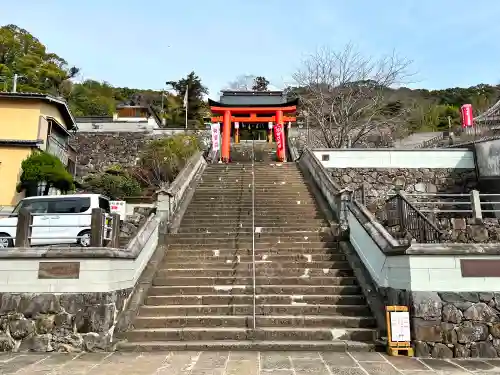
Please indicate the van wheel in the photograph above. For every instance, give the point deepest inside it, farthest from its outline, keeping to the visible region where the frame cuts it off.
(84, 240)
(6, 241)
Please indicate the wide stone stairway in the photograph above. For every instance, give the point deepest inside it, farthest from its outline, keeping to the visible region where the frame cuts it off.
(202, 297)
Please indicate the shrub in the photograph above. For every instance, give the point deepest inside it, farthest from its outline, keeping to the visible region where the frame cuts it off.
(42, 167)
(115, 183)
(163, 159)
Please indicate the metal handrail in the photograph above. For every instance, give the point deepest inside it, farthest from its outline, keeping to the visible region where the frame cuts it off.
(412, 220)
(253, 233)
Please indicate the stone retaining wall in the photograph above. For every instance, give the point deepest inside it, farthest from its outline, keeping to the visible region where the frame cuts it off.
(380, 184)
(451, 325)
(97, 151)
(62, 323)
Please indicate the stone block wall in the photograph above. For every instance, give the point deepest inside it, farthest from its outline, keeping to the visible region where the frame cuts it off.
(380, 184)
(97, 151)
(450, 324)
(62, 323)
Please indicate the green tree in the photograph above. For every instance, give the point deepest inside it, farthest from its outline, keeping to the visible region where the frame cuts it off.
(42, 167)
(260, 83)
(195, 102)
(39, 70)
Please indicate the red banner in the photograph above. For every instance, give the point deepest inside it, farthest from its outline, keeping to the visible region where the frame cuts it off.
(467, 118)
(280, 138)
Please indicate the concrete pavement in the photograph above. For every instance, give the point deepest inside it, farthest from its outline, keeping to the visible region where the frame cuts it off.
(237, 363)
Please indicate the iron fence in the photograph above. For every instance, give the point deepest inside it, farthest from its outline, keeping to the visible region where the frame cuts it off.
(405, 220)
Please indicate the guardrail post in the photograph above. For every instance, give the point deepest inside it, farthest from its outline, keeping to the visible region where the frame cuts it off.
(475, 201)
(115, 231)
(23, 229)
(97, 227)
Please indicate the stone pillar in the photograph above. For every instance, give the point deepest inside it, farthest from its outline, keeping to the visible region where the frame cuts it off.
(226, 136)
(236, 132)
(475, 201)
(270, 132)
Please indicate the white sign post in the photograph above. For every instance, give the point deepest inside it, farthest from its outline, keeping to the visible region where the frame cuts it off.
(400, 326)
(119, 207)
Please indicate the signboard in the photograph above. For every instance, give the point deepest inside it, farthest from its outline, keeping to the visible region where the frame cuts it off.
(59, 270)
(215, 136)
(467, 117)
(279, 137)
(398, 330)
(119, 207)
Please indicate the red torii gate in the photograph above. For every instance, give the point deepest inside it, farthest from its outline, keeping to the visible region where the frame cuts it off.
(228, 114)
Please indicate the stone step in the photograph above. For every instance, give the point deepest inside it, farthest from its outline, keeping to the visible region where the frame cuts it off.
(247, 299)
(238, 215)
(258, 229)
(244, 240)
(235, 248)
(247, 321)
(212, 264)
(260, 280)
(234, 185)
(302, 236)
(233, 333)
(260, 222)
(259, 289)
(286, 309)
(259, 271)
(225, 345)
(270, 206)
(246, 192)
(229, 258)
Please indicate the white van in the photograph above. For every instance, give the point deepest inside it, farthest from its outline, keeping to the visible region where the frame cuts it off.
(50, 228)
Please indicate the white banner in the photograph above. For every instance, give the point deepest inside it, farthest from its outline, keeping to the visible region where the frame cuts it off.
(215, 136)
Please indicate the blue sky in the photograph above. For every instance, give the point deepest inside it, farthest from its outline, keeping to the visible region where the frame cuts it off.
(142, 44)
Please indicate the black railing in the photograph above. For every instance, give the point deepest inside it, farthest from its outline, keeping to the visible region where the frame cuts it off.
(405, 220)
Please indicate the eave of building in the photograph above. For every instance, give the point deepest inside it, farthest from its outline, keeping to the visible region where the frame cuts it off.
(251, 93)
(253, 118)
(59, 103)
(21, 142)
(217, 107)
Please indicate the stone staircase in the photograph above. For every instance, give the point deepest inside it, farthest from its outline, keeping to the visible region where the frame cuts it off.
(263, 151)
(202, 294)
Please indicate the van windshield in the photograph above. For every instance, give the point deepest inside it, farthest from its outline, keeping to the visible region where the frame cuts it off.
(33, 206)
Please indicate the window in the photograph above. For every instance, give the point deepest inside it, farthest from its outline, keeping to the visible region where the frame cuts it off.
(104, 204)
(325, 157)
(69, 205)
(34, 206)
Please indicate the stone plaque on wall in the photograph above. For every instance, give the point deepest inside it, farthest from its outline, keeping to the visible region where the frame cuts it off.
(59, 270)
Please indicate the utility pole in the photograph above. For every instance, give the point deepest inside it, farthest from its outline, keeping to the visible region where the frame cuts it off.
(14, 83)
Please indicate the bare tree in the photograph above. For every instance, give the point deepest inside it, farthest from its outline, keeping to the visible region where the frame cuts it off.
(347, 96)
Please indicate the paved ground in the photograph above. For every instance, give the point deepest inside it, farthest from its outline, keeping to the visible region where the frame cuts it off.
(236, 363)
